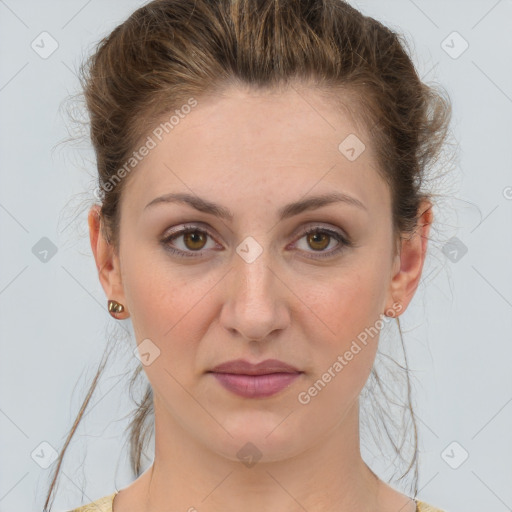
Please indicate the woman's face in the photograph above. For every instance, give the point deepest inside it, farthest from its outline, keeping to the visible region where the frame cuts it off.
(247, 282)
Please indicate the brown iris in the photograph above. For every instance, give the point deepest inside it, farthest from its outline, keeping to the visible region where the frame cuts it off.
(196, 240)
(318, 238)
(195, 237)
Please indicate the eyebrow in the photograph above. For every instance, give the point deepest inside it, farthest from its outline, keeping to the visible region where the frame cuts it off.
(289, 210)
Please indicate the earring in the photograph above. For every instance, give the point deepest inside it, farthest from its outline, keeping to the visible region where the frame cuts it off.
(115, 307)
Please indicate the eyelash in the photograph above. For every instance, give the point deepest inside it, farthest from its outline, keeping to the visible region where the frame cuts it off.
(190, 228)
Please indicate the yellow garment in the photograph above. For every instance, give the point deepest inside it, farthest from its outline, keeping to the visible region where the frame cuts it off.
(105, 505)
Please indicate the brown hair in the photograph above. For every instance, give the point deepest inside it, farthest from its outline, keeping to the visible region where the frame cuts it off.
(169, 51)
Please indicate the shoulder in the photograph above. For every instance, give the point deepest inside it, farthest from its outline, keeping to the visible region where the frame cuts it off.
(103, 504)
(425, 507)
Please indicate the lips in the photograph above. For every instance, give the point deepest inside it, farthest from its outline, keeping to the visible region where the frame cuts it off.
(259, 380)
(243, 367)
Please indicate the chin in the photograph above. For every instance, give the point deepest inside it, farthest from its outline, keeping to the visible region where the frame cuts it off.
(258, 437)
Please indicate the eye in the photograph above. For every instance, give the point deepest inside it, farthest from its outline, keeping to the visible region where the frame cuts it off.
(194, 239)
(319, 238)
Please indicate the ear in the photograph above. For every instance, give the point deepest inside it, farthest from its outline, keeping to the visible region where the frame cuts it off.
(107, 261)
(409, 262)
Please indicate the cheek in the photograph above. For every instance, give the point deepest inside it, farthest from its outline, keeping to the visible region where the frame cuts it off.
(168, 306)
(348, 313)
(351, 302)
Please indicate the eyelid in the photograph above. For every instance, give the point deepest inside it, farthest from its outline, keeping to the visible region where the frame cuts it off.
(199, 226)
(183, 229)
(319, 226)
(343, 240)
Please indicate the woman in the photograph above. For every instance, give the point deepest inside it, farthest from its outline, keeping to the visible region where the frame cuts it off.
(261, 218)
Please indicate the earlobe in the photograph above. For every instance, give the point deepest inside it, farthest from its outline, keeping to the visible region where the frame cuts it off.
(410, 262)
(107, 262)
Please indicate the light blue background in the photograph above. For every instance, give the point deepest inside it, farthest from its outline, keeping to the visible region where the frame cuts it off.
(54, 322)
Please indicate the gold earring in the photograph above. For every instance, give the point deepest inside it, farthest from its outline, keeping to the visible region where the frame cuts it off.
(115, 307)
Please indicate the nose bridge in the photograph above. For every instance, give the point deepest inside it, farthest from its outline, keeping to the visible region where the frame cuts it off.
(254, 307)
(253, 272)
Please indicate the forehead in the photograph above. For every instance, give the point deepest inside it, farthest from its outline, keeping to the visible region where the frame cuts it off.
(244, 121)
(247, 142)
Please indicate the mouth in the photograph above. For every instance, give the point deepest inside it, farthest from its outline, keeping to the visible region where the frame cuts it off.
(259, 380)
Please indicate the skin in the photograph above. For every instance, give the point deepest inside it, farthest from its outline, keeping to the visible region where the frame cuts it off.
(254, 152)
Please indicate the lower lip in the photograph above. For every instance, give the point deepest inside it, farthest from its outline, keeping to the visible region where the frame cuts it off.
(255, 386)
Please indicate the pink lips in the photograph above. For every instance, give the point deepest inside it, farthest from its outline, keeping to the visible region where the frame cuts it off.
(255, 380)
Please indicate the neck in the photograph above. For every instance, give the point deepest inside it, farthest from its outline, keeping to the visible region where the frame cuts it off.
(327, 476)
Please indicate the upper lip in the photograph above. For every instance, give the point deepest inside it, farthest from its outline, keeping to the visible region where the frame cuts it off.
(243, 367)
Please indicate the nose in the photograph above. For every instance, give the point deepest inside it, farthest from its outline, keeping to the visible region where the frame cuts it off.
(255, 307)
